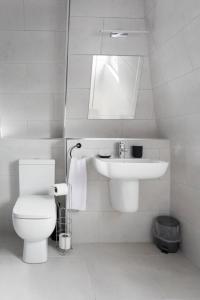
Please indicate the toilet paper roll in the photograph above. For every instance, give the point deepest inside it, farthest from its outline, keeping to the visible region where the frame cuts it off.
(65, 241)
(59, 189)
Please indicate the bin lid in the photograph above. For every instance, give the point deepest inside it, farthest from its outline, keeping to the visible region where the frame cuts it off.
(167, 221)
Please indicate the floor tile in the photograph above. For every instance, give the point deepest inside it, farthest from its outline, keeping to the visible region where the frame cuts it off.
(97, 272)
(65, 278)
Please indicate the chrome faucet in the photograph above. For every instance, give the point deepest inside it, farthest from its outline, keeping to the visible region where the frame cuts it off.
(122, 149)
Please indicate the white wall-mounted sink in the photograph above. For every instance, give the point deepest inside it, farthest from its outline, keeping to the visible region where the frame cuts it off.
(124, 175)
(117, 168)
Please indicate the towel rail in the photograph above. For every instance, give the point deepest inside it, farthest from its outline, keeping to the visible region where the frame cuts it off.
(78, 145)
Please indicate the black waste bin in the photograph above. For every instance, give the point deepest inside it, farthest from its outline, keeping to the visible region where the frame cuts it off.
(166, 234)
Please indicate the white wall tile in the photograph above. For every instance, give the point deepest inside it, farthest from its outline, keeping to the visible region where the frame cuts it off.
(11, 15)
(192, 156)
(40, 78)
(59, 104)
(45, 78)
(44, 129)
(79, 72)
(139, 128)
(9, 195)
(188, 10)
(27, 107)
(157, 68)
(32, 60)
(193, 130)
(45, 15)
(86, 227)
(135, 44)
(149, 5)
(78, 103)
(24, 148)
(173, 128)
(93, 128)
(98, 197)
(17, 110)
(93, 227)
(191, 239)
(145, 105)
(120, 226)
(32, 46)
(192, 42)
(108, 8)
(145, 80)
(14, 128)
(175, 58)
(12, 77)
(154, 195)
(87, 41)
(166, 21)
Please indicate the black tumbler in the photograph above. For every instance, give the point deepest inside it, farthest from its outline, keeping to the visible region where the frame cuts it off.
(137, 151)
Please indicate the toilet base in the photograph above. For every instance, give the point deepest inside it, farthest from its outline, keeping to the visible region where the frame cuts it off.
(35, 252)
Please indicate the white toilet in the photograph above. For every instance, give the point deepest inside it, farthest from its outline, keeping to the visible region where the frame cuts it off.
(34, 213)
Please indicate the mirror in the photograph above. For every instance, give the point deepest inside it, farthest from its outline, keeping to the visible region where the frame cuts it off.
(114, 87)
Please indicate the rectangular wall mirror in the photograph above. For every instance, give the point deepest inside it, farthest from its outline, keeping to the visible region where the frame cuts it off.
(114, 87)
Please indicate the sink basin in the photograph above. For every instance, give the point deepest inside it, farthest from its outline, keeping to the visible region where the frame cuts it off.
(118, 168)
(124, 175)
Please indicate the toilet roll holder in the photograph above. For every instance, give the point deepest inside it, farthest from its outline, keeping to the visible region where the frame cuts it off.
(64, 226)
(64, 218)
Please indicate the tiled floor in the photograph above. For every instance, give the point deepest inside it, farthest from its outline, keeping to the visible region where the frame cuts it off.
(98, 272)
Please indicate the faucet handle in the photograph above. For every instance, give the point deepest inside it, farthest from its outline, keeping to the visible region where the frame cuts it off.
(122, 149)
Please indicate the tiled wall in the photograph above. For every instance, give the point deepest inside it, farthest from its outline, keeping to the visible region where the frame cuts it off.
(87, 18)
(32, 67)
(11, 150)
(175, 62)
(100, 223)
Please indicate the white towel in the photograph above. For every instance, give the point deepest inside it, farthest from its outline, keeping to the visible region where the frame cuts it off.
(78, 181)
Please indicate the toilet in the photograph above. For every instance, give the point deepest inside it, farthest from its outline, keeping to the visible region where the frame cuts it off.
(34, 213)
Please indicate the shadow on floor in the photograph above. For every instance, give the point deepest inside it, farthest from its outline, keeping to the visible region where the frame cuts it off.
(10, 244)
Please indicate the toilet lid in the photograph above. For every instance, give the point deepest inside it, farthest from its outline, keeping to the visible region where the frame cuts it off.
(35, 207)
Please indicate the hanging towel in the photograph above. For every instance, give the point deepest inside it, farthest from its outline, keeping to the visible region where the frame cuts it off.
(78, 181)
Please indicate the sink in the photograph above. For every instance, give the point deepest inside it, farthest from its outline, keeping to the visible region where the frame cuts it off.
(118, 168)
(124, 176)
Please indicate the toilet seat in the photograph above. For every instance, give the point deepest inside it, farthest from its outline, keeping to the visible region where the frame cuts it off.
(34, 207)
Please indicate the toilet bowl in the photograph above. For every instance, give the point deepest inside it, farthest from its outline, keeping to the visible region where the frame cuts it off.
(34, 219)
(34, 213)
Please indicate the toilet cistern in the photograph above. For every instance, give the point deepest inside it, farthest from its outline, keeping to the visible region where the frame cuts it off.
(122, 149)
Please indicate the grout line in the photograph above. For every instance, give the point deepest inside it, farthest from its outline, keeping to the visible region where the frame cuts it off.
(176, 78)
(109, 54)
(101, 41)
(103, 17)
(32, 30)
(24, 17)
(180, 30)
(177, 116)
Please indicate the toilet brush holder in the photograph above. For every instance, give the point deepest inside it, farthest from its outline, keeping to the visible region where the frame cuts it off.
(65, 241)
